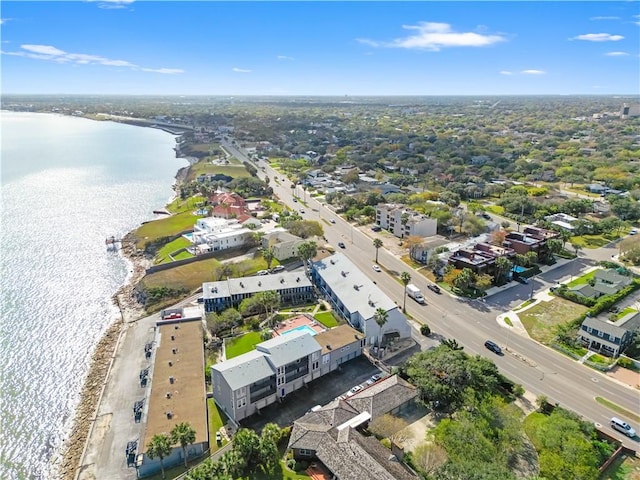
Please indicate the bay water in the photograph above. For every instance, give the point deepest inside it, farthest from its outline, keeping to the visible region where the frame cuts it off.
(67, 184)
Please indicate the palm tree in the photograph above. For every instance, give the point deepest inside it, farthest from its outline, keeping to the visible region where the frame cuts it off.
(503, 265)
(577, 247)
(184, 434)
(380, 316)
(405, 278)
(268, 256)
(377, 243)
(306, 251)
(159, 446)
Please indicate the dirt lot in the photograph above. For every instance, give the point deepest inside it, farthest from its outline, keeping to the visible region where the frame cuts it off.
(541, 319)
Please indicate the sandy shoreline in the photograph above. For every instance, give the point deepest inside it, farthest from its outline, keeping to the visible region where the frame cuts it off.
(71, 453)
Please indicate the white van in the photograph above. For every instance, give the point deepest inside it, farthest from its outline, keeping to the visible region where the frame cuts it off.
(623, 427)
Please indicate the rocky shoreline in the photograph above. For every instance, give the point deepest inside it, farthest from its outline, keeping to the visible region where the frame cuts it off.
(103, 355)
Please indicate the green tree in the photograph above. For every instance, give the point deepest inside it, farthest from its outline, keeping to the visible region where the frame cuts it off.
(268, 256)
(503, 267)
(377, 243)
(405, 278)
(184, 434)
(160, 447)
(306, 251)
(380, 316)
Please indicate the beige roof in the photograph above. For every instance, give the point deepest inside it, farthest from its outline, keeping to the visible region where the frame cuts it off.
(187, 401)
(383, 396)
(338, 337)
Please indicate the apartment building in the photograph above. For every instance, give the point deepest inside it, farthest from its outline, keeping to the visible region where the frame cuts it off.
(292, 287)
(403, 222)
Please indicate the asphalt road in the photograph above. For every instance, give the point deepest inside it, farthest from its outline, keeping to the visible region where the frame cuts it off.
(537, 368)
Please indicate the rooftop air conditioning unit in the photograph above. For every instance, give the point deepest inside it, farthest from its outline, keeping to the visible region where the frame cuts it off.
(172, 380)
(175, 350)
(168, 394)
(169, 415)
(170, 363)
(173, 337)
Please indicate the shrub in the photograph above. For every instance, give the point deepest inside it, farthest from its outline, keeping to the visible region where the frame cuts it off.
(425, 330)
(386, 443)
(323, 307)
(625, 363)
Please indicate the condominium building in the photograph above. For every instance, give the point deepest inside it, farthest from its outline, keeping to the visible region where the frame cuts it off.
(356, 298)
(403, 222)
(292, 287)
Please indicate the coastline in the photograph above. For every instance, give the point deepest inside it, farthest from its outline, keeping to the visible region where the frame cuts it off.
(68, 461)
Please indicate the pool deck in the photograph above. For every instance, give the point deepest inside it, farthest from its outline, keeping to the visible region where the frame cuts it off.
(292, 323)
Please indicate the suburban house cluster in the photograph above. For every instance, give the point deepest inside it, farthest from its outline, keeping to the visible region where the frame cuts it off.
(332, 434)
(403, 222)
(247, 383)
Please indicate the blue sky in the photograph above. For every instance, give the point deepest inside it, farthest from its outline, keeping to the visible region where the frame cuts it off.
(321, 48)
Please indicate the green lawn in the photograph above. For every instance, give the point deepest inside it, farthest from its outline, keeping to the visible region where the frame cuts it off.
(327, 319)
(624, 313)
(163, 254)
(187, 205)
(496, 209)
(165, 227)
(583, 280)
(217, 419)
(593, 241)
(207, 168)
(541, 319)
(243, 344)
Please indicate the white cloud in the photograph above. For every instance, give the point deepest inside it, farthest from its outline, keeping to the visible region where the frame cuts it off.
(604, 18)
(111, 4)
(505, 72)
(616, 54)
(284, 57)
(533, 72)
(53, 54)
(435, 36)
(598, 37)
(240, 70)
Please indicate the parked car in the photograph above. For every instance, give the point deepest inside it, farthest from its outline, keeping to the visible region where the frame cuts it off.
(332, 221)
(262, 272)
(376, 268)
(218, 438)
(494, 347)
(354, 390)
(341, 245)
(302, 210)
(486, 216)
(633, 231)
(614, 310)
(376, 228)
(277, 268)
(434, 288)
(522, 280)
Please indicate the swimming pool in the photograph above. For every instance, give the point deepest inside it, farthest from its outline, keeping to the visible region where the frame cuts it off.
(301, 328)
(519, 269)
(188, 236)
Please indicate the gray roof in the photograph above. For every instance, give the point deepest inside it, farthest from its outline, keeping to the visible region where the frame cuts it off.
(611, 276)
(288, 348)
(347, 453)
(604, 327)
(356, 291)
(255, 284)
(245, 369)
(630, 322)
(383, 396)
(585, 290)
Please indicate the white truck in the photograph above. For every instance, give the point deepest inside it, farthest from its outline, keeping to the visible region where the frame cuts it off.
(415, 293)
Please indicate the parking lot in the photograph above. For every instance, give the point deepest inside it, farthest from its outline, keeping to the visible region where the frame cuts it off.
(319, 392)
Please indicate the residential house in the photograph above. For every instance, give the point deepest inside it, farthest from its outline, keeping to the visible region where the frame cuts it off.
(597, 188)
(220, 233)
(228, 205)
(531, 239)
(356, 298)
(403, 222)
(339, 345)
(333, 435)
(292, 288)
(605, 282)
(177, 393)
(606, 337)
(562, 220)
(481, 258)
(283, 244)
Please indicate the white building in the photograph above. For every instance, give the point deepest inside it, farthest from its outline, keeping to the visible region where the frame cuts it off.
(283, 244)
(220, 233)
(356, 298)
(390, 217)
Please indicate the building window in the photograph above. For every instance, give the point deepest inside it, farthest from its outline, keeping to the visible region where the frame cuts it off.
(314, 366)
(305, 453)
(601, 334)
(325, 359)
(242, 402)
